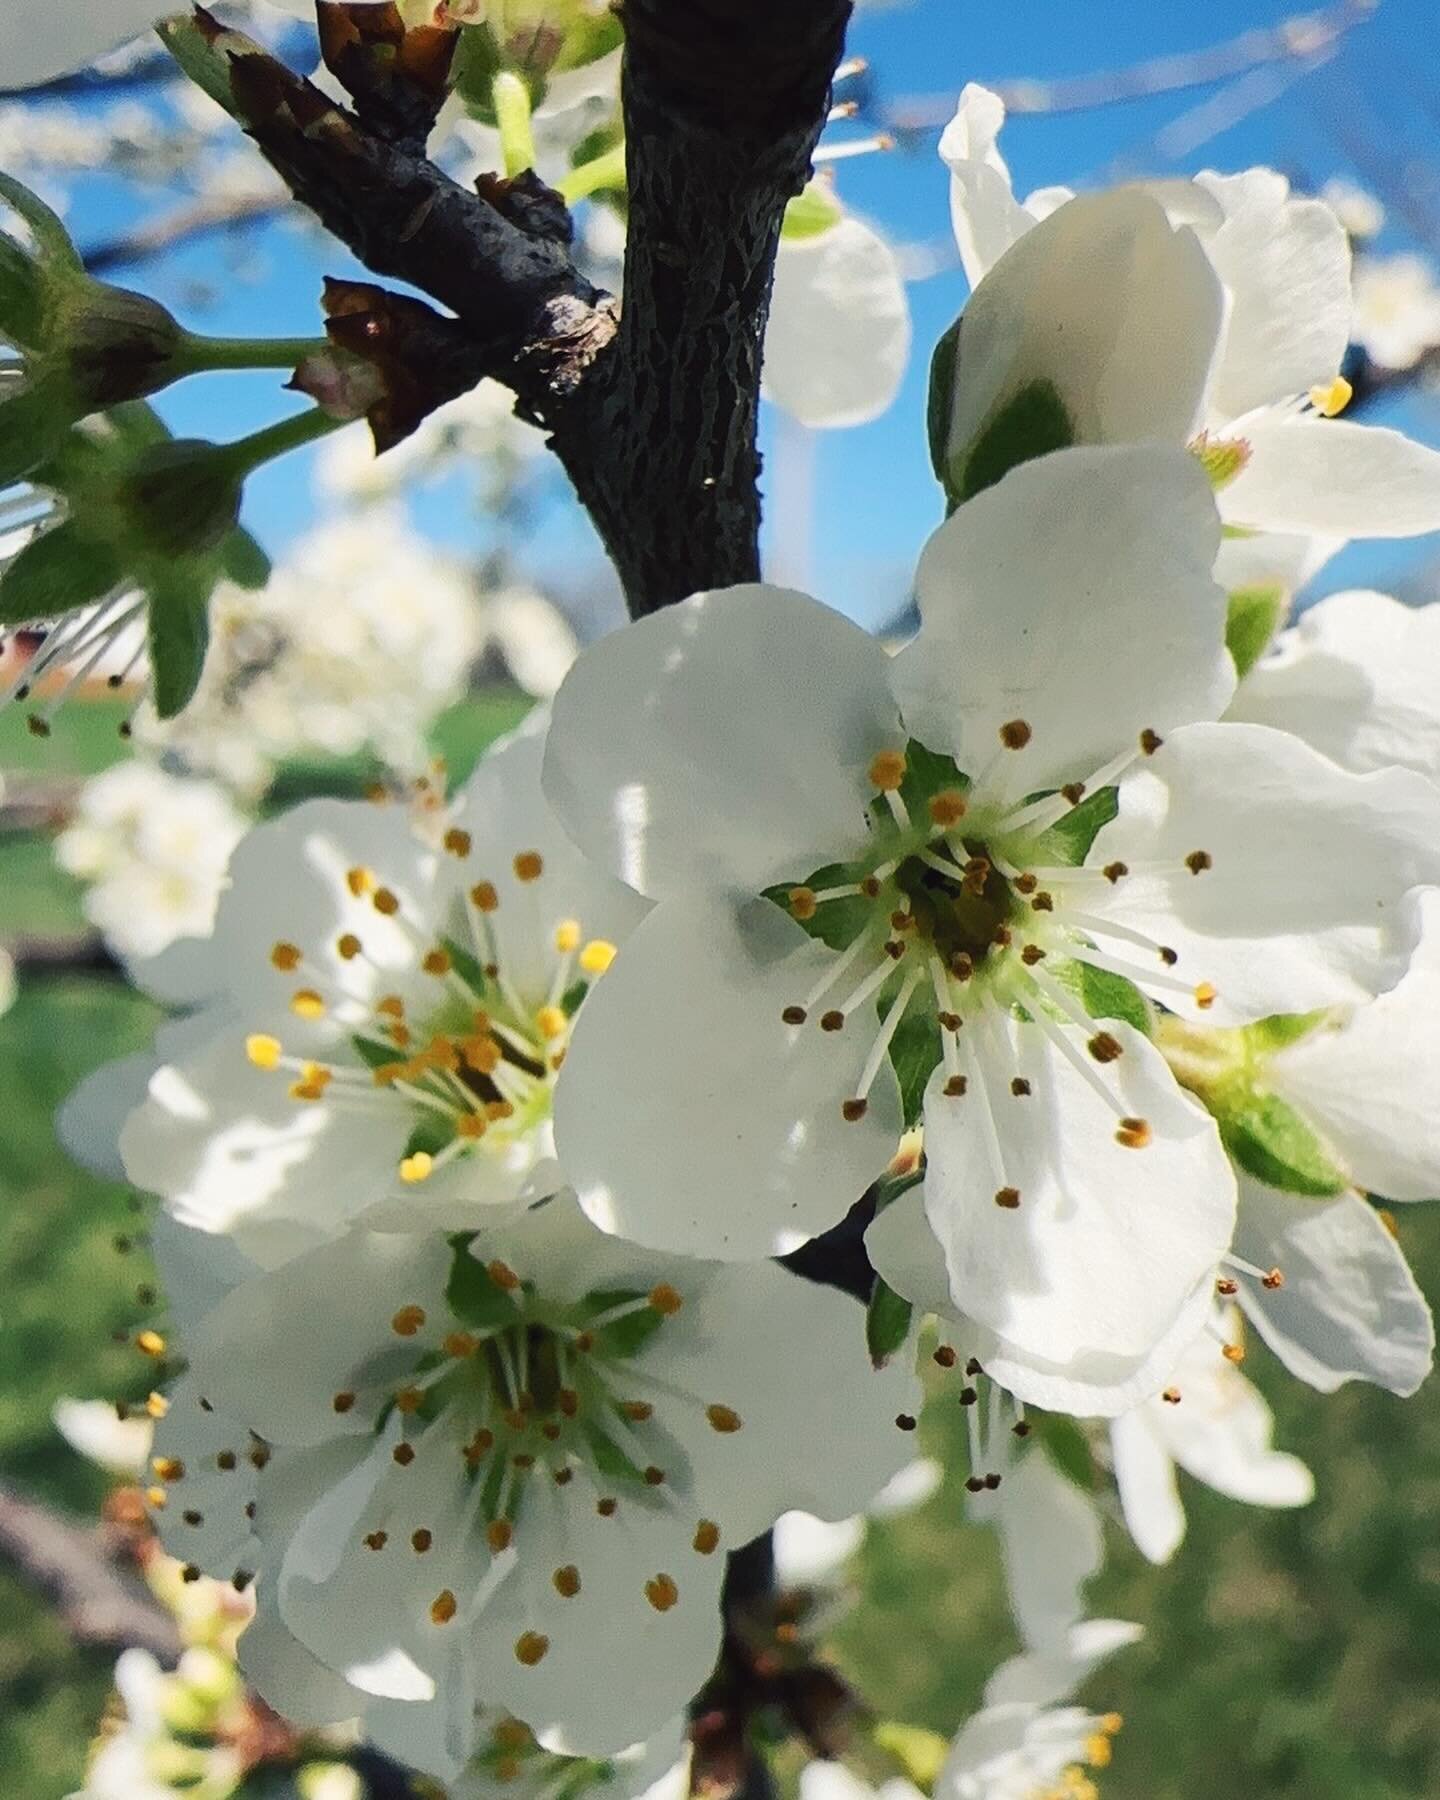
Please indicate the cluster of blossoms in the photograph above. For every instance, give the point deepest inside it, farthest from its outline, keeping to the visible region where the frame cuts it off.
(484, 1125)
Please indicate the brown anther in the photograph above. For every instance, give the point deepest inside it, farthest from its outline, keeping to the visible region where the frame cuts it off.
(905, 1421)
(563, 1477)
(707, 1537)
(530, 1648)
(853, 1110)
(168, 1468)
(568, 1401)
(794, 1015)
(661, 1592)
(945, 1356)
(870, 888)
(550, 1431)
(962, 965)
(1115, 872)
(1032, 954)
(409, 1400)
(567, 1581)
(343, 1403)
(189, 1574)
(1020, 1429)
(1105, 1047)
(992, 1481)
(1020, 1087)
(1168, 956)
(974, 1484)
(1015, 734)
(607, 1507)
(955, 1087)
(894, 949)
(1171, 1396)
(584, 1341)
(1003, 937)
(259, 1456)
(408, 1321)
(1227, 1288)
(376, 1540)
(502, 1275)
(193, 1518)
(947, 808)
(1043, 902)
(887, 770)
(499, 1534)
(1134, 1134)
(38, 727)
(226, 1461)
(529, 865)
(1198, 861)
(421, 1540)
(348, 946)
(654, 1477)
(404, 1454)
(723, 1419)
(833, 1020)
(1273, 1280)
(902, 921)
(436, 962)
(1150, 741)
(1008, 1197)
(457, 842)
(483, 897)
(1026, 884)
(386, 901)
(973, 1366)
(803, 903)
(638, 1410)
(949, 1021)
(443, 1607)
(286, 957)
(1074, 792)
(665, 1299)
(460, 1344)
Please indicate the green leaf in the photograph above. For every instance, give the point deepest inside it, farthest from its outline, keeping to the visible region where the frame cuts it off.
(1031, 423)
(915, 1053)
(811, 213)
(179, 635)
(470, 1293)
(54, 574)
(1072, 836)
(941, 400)
(1255, 615)
(1269, 1140)
(1067, 1447)
(1107, 996)
(887, 1323)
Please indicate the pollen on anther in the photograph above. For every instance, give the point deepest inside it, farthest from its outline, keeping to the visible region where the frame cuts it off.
(567, 1581)
(386, 901)
(502, 1275)
(665, 1299)
(499, 1534)
(1020, 1087)
(607, 1507)
(443, 1607)
(263, 1050)
(457, 842)
(1134, 1134)
(1205, 995)
(1150, 741)
(1198, 861)
(1233, 1353)
(285, 957)
(408, 1321)
(947, 808)
(1105, 1047)
(417, 1167)
(854, 1110)
(1227, 1288)
(955, 1087)
(529, 865)
(1273, 1280)
(1008, 1197)
(887, 770)
(803, 903)
(1332, 397)
(343, 1402)
(420, 1541)
(567, 936)
(707, 1537)
(168, 1468)
(1015, 734)
(723, 1419)
(662, 1592)
(597, 956)
(551, 1023)
(530, 1648)
(793, 1015)
(150, 1343)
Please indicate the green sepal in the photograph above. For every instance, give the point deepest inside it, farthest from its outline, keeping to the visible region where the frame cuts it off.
(244, 562)
(1072, 836)
(811, 213)
(1269, 1140)
(1107, 996)
(470, 1293)
(1067, 1446)
(375, 1055)
(627, 1336)
(927, 773)
(570, 1000)
(467, 965)
(428, 1136)
(51, 238)
(610, 1460)
(1254, 615)
(1266, 1036)
(887, 1323)
(57, 572)
(22, 304)
(1031, 423)
(33, 423)
(178, 635)
(940, 399)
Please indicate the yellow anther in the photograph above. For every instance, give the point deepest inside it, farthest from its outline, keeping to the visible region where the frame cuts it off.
(264, 1051)
(707, 1537)
(168, 1468)
(567, 1581)
(481, 1053)
(947, 808)
(662, 1592)
(286, 957)
(436, 962)
(443, 1607)
(530, 1648)
(567, 936)
(1233, 1353)
(457, 842)
(461, 1344)
(551, 1023)
(408, 1321)
(348, 946)
(597, 956)
(665, 1300)
(529, 865)
(1332, 397)
(723, 1419)
(803, 903)
(310, 1091)
(1098, 1750)
(359, 881)
(484, 897)
(417, 1167)
(386, 901)
(1112, 1722)
(1205, 996)
(157, 1406)
(150, 1343)
(887, 770)
(1134, 1134)
(307, 1004)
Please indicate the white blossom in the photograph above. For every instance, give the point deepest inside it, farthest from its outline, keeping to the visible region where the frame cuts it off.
(476, 431)
(118, 1443)
(1357, 209)
(1023, 1752)
(1397, 309)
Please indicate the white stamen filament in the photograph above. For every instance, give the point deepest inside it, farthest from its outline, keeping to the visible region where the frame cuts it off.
(887, 1031)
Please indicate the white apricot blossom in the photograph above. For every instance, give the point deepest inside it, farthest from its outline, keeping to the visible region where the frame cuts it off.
(507, 1465)
(1213, 312)
(1215, 1425)
(923, 865)
(1397, 309)
(388, 1013)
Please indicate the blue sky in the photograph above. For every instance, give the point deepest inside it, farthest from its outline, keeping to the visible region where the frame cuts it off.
(876, 499)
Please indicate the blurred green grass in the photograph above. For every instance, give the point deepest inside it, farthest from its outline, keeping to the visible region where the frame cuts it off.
(1288, 1656)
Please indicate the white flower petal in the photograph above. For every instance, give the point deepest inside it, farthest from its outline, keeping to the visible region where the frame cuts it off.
(288, 1677)
(983, 210)
(1149, 1493)
(1271, 559)
(1051, 1544)
(1285, 263)
(1312, 474)
(1077, 595)
(1358, 678)
(1107, 1243)
(89, 1123)
(1109, 303)
(1302, 904)
(39, 41)
(120, 1446)
(1041, 1677)
(810, 1550)
(689, 1117)
(838, 339)
(750, 717)
(1350, 1309)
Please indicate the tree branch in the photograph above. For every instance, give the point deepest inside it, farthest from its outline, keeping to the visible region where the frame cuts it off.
(74, 1566)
